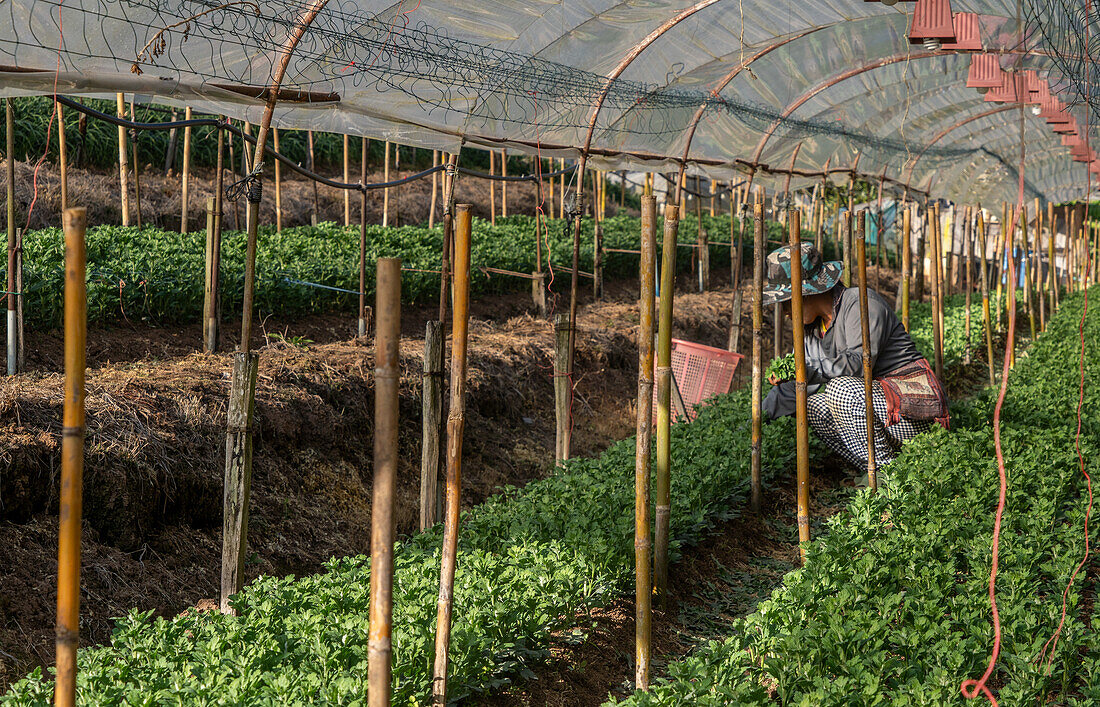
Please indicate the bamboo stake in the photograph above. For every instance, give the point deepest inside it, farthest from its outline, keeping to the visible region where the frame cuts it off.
(315, 216)
(906, 263)
(999, 269)
(431, 493)
(169, 154)
(868, 376)
(232, 167)
(74, 222)
(643, 587)
(562, 384)
(137, 166)
(20, 343)
(1029, 300)
(362, 330)
(802, 428)
(561, 190)
(504, 185)
(347, 178)
(449, 178)
(922, 242)
(386, 190)
(387, 375)
(662, 476)
(713, 186)
(1052, 279)
(846, 244)
(987, 323)
(435, 189)
(123, 177)
(185, 176)
(1040, 281)
(12, 339)
(703, 243)
(209, 307)
(63, 157)
(455, 424)
(278, 185)
(757, 438)
(492, 188)
(968, 235)
(950, 266)
(937, 293)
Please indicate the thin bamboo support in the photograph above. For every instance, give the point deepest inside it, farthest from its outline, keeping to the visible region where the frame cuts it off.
(846, 245)
(232, 163)
(278, 184)
(922, 243)
(663, 466)
(561, 190)
(1040, 281)
(1052, 278)
(562, 385)
(449, 178)
(209, 303)
(757, 437)
(713, 187)
(734, 342)
(219, 193)
(802, 426)
(456, 420)
(347, 179)
(999, 267)
(169, 154)
(137, 166)
(362, 330)
(387, 377)
(1029, 298)
(906, 263)
(868, 376)
(950, 267)
(987, 323)
(703, 244)
(63, 157)
(937, 293)
(20, 343)
(492, 188)
(504, 185)
(431, 493)
(968, 236)
(185, 174)
(74, 222)
(735, 251)
(9, 154)
(123, 170)
(643, 584)
(314, 217)
(435, 189)
(386, 190)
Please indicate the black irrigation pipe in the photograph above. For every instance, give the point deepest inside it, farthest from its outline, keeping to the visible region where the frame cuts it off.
(294, 166)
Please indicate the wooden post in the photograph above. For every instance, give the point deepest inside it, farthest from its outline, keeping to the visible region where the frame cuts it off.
(868, 376)
(9, 150)
(562, 384)
(431, 493)
(185, 175)
(906, 263)
(137, 165)
(734, 343)
(643, 586)
(72, 460)
(937, 293)
(492, 188)
(757, 438)
(362, 330)
(663, 467)
(802, 426)
(347, 179)
(387, 378)
(456, 420)
(238, 474)
(983, 273)
(123, 176)
(278, 184)
(435, 189)
(209, 300)
(63, 157)
(313, 217)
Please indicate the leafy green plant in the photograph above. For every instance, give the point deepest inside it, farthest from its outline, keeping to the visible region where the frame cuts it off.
(782, 368)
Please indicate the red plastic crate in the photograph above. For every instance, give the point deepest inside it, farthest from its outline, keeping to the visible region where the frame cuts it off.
(700, 372)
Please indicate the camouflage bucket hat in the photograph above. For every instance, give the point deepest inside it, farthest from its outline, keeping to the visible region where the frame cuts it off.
(817, 275)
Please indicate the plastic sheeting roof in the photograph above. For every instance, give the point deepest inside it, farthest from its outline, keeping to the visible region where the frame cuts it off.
(837, 77)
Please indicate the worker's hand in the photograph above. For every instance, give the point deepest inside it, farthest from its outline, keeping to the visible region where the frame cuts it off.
(774, 379)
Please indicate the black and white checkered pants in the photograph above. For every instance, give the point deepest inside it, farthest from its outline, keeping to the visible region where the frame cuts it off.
(838, 416)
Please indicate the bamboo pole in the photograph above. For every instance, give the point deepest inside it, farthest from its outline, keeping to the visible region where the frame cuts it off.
(922, 242)
(492, 188)
(449, 178)
(757, 438)
(347, 178)
(362, 330)
(63, 157)
(74, 222)
(868, 376)
(278, 185)
(20, 343)
(968, 235)
(561, 190)
(950, 265)
(169, 154)
(1001, 255)
(435, 189)
(1040, 281)
(937, 293)
(137, 165)
(1052, 277)
(1029, 299)
(387, 376)
(431, 493)
(232, 167)
(455, 424)
(663, 466)
(315, 216)
(12, 339)
(386, 190)
(209, 306)
(185, 175)
(703, 244)
(802, 428)
(846, 245)
(987, 323)
(906, 263)
(562, 385)
(123, 176)
(504, 185)
(643, 586)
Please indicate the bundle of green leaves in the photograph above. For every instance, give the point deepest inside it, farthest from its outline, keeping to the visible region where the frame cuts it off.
(782, 368)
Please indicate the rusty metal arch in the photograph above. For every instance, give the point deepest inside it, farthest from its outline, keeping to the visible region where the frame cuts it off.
(943, 133)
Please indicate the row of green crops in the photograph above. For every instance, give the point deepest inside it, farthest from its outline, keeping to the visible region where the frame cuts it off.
(158, 276)
(954, 335)
(892, 605)
(529, 559)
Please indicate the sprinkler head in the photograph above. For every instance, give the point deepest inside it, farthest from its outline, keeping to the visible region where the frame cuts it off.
(932, 44)
(1035, 110)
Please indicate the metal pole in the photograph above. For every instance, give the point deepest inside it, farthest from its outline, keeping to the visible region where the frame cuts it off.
(74, 222)
(868, 376)
(387, 377)
(643, 586)
(662, 469)
(802, 426)
(757, 349)
(456, 420)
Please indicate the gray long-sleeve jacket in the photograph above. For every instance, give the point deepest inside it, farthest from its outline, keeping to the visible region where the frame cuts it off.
(839, 351)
